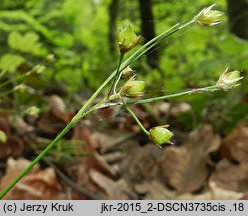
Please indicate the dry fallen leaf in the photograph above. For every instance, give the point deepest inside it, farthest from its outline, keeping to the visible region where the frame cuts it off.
(235, 145)
(231, 176)
(214, 193)
(56, 117)
(49, 123)
(4, 125)
(13, 147)
(185, 167)
(20, 125)
(154, 190)
(103, 165)
(94, 160)
(114, 189)
(141, 163)
(180, 108)
(57, 107)
(37, 184)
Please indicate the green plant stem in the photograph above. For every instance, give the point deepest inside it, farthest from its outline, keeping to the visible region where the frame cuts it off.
(6, 93)
(208, 89)
(9, 111)
(192, 91)
(117, 76)
(159, 39)
(135, 118)
(82, 112)
(18, 78)
(2, 73)
(36, 160)
(80, 115)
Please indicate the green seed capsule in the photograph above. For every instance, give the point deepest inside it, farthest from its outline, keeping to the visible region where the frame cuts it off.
(160, 135)
(229, 80)
(127, 39)
(133, 89)
(208, 17)
(3, 137)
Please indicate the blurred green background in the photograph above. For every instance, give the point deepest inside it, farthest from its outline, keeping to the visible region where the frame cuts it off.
(81, 36)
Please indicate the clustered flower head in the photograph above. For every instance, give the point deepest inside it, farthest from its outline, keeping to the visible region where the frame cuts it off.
(39, 69)
(160, 135)
(21, 88)
(208, 17)
(33, 111)
(133, 88)
(127, 73)
(50, 58)
(24, 88)
(127, 39)
(228, 80)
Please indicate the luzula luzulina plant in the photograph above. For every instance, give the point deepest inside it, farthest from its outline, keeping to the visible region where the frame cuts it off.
(132, 90)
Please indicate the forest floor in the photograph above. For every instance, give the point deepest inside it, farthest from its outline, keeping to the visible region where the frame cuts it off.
(106, 157)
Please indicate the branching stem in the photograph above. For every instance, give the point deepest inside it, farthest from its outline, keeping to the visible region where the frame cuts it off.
(117, 76)
(135, 117)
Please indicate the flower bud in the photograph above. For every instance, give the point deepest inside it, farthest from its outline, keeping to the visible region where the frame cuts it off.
(208, 17)
(229, 80)
(21, 88)
(133, 88)
(39, 69)
(127, 39)
(33, 111)
(160, 135)
(50, 58)
(114, 97)
(24, 88)
(127, 73)
(3, 137)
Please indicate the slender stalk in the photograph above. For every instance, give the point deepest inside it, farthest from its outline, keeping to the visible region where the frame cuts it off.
(117, 76)
(198, 90)
(208, 89)
(159, 39)
(2, 73)
(18, 78)
(36, 160)
(9, 111)
(6, 93)
(135, 118)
